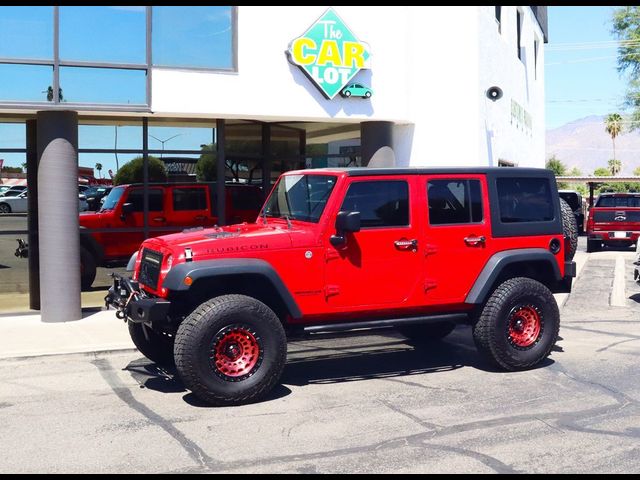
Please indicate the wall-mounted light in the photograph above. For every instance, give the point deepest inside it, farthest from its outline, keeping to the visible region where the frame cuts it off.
(494, 93)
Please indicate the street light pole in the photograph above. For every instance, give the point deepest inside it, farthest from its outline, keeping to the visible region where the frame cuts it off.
(165, 141)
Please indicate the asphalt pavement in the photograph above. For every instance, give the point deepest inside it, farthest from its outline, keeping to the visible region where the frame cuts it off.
(369, 403)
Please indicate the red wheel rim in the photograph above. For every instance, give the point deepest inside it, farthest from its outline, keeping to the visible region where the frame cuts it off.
(525, 325)
(236, 353)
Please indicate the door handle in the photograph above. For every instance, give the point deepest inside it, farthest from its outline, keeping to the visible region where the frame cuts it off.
(159, 219)
(475, 241)
(406, 245)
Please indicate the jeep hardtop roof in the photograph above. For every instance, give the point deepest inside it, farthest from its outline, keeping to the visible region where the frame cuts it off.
(366, 171)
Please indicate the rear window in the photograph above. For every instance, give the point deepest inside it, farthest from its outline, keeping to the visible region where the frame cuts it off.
(189, 199)
(619, 201)
(525, 199)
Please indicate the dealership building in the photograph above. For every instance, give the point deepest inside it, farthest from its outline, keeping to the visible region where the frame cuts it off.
(264, 89)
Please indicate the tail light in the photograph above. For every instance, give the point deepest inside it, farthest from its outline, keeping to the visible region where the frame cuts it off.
(590, 221)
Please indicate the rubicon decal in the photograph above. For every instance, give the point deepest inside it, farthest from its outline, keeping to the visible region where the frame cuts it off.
(329, 54)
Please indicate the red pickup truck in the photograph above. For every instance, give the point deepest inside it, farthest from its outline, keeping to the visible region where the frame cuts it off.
(614, 220)
(111, 235)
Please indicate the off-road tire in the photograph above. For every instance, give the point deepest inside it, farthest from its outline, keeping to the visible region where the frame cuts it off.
(492, 333)
(197, 348)
(157, 347)
(88, 269)
(593, 245)
(428, 332)
(569, 228)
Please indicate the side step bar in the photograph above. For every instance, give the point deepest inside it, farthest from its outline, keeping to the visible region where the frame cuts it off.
(388, 322)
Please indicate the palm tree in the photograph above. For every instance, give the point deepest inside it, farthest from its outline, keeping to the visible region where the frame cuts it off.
(613, 126)
(99, 169)
(615, 166)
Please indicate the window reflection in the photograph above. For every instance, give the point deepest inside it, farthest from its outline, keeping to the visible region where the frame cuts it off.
(103, 85)
(117, 34)
(200, 37)
(26, 32)
(25, 83)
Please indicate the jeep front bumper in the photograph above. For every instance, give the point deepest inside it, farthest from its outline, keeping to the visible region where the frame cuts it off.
(135, 305)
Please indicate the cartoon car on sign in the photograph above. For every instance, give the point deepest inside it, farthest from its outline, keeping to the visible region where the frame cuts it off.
(356, 90)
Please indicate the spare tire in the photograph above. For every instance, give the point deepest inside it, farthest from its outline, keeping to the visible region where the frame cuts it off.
(570, 229)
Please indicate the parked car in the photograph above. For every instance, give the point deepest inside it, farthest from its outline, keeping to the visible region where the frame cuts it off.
(338, 250)
(172, 208)
(614, 220)
(13, 191)
(19, 203)
(574, 199)
(94, 196)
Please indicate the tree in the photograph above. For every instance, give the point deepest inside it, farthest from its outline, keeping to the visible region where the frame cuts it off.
(615, 166)
(613, 126)
(636, 172)
(626, 26)
(132, 171)
(556, 166)
(12, 169)
(206, 166)
(601, 172)
(99, 169)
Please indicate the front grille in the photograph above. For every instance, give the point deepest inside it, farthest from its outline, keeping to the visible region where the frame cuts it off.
(150, 266)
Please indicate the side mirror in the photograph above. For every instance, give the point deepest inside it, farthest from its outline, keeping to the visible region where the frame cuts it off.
(346, 222)
(127, 208)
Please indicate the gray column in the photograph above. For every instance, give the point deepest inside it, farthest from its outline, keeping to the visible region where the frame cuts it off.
(59, 237)
(267, 160)
(32, 215)
(377, 138)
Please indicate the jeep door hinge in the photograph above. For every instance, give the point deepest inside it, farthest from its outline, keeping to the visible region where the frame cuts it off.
(429, 284)
(331, 290)
(331, 254)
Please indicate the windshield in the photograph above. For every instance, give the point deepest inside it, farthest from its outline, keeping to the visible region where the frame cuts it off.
(300, 197)
(112, 199)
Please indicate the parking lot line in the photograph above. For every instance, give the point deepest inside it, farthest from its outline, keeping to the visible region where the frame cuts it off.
(618, 295)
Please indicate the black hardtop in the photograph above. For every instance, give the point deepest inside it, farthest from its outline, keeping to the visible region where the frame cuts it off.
(497, 171)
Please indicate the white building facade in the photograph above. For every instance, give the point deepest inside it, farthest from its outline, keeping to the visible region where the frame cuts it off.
(430, 70)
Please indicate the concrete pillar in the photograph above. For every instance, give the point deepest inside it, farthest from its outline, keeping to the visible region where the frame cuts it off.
(32, 215)
(376, 143)
(221, 160)
(59, 237)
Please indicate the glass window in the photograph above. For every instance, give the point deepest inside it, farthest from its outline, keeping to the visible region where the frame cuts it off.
(136, 197)
(525, 200)
(454, 201)
(189, 199)
(200, 37)
(113, 198)
(117, 34)
(103, 85)
(618, 201)
(380, 203)
(300, 197)
(26, 83)
(249, 198)
(116, 136)
(26, 32)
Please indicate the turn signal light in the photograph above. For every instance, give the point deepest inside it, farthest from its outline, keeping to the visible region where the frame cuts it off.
(188, 281)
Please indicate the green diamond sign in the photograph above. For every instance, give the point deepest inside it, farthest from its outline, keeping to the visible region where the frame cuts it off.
(329, 54)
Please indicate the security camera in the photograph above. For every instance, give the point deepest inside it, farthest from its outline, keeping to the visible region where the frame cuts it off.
(494, 93)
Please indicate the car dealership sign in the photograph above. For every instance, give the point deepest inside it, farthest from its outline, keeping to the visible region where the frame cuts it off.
(329, 53)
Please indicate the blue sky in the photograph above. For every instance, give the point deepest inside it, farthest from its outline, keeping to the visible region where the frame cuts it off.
(581, 76)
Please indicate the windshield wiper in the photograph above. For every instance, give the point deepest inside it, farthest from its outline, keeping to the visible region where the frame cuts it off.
(286, 217)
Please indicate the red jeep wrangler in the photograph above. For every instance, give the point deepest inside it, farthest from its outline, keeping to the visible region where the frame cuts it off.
(614, 220)
(172, 208)
(341, 249)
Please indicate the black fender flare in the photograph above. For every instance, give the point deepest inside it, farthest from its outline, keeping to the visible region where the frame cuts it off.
(229, 267)
(499, 261)
(87, 241)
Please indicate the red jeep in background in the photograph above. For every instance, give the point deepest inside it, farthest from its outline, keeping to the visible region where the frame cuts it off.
(336, 250)
(614, 220)
(172, 207)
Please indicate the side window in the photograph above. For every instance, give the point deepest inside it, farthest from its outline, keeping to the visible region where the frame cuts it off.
(380, 203)
(136, 197)
(189, 199)
(453, 201)
(524, 200)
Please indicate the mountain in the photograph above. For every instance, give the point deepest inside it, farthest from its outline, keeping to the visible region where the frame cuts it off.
(585, 144)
